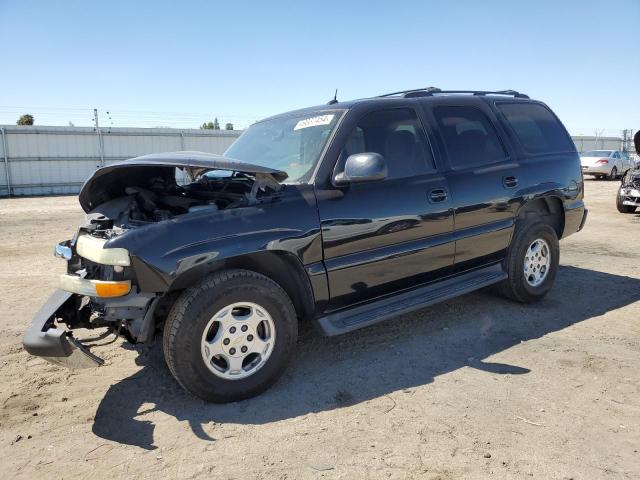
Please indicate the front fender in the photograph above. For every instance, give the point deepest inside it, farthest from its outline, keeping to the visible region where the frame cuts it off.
(164, 251)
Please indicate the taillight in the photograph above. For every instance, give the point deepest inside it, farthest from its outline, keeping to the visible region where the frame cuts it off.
(602, 161)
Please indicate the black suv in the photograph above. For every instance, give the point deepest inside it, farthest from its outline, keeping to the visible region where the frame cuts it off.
(343, 215)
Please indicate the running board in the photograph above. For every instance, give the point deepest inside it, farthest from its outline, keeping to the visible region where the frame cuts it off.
(377, 311)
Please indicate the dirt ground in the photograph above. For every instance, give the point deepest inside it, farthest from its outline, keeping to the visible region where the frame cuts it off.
(475, 387)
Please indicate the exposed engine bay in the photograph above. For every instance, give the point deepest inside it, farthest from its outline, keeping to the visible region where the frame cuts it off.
(146, 195)
(632, 179)
(158, 187)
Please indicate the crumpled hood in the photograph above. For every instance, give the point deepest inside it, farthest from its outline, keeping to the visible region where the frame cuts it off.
(632, 179)
(110, 182)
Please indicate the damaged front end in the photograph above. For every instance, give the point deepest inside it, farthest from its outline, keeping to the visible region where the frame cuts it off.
(629, 192)
(100, 288)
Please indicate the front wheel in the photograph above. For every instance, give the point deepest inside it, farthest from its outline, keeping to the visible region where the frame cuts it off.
(614, 173)
(230, 337)
(531, 263)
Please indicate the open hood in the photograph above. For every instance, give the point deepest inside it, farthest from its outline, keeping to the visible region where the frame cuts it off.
(111, 181)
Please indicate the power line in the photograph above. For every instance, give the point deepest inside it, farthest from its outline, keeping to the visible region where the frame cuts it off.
(123, 118)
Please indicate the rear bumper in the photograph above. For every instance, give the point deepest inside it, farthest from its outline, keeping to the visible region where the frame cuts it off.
(574, 219)
(597, 170)
(42, 339)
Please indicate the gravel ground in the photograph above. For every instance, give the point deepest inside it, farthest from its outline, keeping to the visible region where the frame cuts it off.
(475, 387)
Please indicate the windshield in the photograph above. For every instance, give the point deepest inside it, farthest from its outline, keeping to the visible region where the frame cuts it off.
(292, 144)
(597, 153)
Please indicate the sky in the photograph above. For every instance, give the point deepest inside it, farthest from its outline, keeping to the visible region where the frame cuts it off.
(178, 64)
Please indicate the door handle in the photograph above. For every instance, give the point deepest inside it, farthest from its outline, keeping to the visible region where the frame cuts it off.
(509, 182)
(437, 195)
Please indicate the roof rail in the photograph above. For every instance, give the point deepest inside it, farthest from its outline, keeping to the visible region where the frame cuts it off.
(430, 91)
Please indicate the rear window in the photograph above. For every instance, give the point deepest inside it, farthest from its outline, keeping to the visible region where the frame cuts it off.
(597, 153)
(536, 127)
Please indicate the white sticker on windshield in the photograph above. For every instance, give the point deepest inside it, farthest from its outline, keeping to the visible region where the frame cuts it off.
(314, 122)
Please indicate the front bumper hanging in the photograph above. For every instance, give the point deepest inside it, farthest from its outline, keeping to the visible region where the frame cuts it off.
(42, 339)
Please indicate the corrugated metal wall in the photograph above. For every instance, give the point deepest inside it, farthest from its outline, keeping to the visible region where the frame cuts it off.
(585, 143)
(57, 160)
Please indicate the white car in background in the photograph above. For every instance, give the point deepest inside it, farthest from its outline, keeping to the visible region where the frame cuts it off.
(605, 163)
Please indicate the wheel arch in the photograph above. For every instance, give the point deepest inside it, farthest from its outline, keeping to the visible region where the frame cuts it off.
(548, 208)
(282, 267)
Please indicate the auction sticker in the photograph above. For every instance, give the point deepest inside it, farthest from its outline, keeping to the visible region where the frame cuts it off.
(314, 122)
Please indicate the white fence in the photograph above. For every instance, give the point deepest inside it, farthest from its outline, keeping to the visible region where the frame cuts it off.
(57, 160)
(585, 143)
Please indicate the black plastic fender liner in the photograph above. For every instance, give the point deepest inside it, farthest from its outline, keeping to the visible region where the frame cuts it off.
(53, 344)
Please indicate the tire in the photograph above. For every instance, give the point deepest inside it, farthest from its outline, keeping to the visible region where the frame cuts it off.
(623, 208)
(614, 173)
(516, 286)
(185, 342)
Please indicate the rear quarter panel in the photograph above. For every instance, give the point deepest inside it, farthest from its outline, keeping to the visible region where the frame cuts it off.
(556, 175)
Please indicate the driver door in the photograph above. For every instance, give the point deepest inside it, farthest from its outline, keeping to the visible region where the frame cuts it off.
(389, 235)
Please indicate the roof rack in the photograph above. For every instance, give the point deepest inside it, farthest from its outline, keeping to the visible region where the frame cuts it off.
(430, 91)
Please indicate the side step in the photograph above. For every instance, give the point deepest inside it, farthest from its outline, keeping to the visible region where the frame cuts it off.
(376, 311)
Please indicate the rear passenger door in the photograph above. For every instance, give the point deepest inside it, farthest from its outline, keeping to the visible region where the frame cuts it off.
(482, 178)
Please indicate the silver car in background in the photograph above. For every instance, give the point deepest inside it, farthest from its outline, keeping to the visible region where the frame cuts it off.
(605, 163)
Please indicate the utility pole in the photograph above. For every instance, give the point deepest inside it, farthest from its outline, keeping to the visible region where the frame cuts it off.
(100, 142)
(627, 139)
(598, 138)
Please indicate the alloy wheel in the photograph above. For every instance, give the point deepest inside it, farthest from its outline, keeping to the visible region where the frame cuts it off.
(238, 340)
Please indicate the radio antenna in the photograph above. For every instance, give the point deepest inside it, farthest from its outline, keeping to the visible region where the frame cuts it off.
(334, 99)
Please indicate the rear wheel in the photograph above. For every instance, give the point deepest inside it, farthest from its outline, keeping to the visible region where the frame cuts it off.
(531, 263)
(621, 207)
(230, 337)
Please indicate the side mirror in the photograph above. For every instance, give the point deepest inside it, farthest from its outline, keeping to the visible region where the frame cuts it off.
(362, 167)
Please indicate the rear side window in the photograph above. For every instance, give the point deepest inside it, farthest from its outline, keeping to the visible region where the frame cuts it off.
(470, 138)
(536, 127)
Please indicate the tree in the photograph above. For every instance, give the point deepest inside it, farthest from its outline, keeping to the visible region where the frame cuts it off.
(215, 125)
(25, 120)
(228, 126)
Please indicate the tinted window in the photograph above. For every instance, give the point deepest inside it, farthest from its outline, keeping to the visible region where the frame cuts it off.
(469, 137)
(536, 127)
(396, 135)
